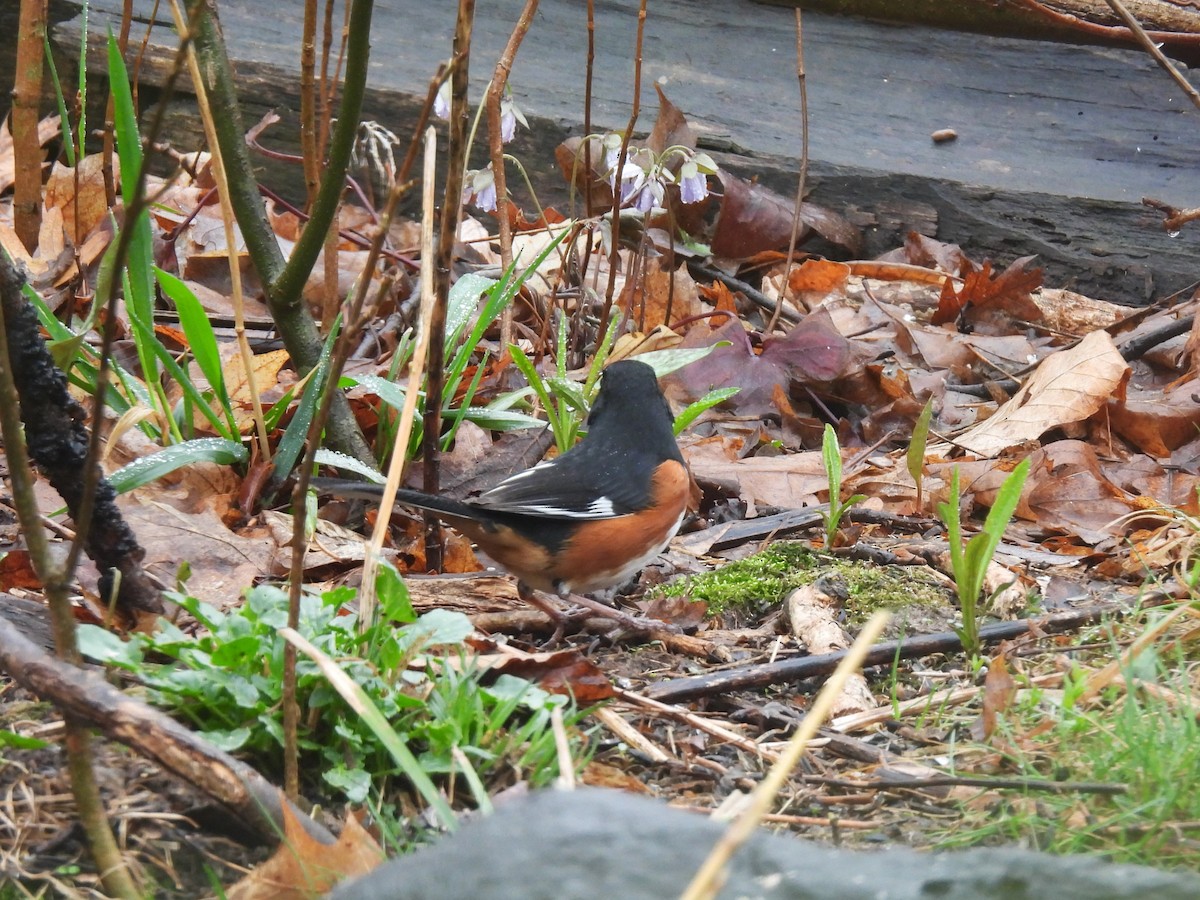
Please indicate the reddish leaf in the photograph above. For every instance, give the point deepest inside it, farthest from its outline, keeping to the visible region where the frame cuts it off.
(1005, 297)
(754, 218)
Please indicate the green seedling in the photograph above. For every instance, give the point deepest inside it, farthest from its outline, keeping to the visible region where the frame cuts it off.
(969, 560)
(831, 454)
(916, 451)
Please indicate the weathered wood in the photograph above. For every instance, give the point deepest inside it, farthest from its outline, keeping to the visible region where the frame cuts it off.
(1057, 143)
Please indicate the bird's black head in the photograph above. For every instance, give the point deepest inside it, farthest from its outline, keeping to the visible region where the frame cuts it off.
(631, 405)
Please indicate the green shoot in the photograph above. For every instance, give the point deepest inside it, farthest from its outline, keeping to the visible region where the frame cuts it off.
(916, 450)
(969, 560)
(831, 454)
(396, 720)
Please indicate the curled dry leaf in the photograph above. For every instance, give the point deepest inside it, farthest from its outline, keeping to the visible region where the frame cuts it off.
(1069, 386)
(992, 304)
(82, 209)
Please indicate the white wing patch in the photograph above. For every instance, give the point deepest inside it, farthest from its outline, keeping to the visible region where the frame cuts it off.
(544, 464)
(600, 508)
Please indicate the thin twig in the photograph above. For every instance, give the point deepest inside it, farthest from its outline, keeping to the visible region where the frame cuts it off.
(456, 151)
(587, 109)
(416, 369)
(795, 236)
(615, 250)
(504, 205)
(227, 219)
(700, 723)
(1019, 784)
(1139, 34)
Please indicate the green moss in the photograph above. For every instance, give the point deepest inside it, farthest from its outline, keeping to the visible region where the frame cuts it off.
(763, 580)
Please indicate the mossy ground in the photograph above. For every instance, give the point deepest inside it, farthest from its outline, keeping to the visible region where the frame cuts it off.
(758, 583)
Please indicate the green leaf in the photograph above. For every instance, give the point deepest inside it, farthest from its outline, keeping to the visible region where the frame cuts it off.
(20, 742)
(148, 468)
(831, 456)
(64, 118)
(139, 263)
(129, 144)
(462, 302)
(664, 362)
(501, 419)
(920, 437)
(694, 410)
(292, 442)
(105, 647)
(387, 391)
(229, 740)
(354, 783)
(438, 627)
(202, 340)
(327, 457)
(392, 593)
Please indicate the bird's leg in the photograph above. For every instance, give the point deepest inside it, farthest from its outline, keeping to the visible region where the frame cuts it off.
(557, 616)
(633, 623)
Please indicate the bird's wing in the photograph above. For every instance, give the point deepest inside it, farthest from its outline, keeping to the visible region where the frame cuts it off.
(571, 487)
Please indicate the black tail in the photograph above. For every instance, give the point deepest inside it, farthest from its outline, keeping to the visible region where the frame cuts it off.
(363, 490)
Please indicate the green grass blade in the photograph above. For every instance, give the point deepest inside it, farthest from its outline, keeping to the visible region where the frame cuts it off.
(292, 442)
(202, 340)
(149, 468)
(64, 118)
(694, 410)
(327, 457)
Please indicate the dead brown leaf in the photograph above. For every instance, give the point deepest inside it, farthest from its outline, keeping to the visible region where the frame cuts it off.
(303, 868)
(1157, 420)
(992, 304)
(1068, 386)
(48, 130)
(660, 297)
(85, 206)
(754, 218)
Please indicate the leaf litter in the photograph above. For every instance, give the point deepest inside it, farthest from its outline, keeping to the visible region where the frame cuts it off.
(1014, 369)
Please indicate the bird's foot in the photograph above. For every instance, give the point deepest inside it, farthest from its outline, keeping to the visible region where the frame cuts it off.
(638, 624)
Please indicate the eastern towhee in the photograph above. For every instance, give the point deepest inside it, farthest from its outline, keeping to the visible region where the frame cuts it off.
(588, 519)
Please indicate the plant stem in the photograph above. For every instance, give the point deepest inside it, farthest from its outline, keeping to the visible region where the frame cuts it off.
(504, 205)
(115, 876)
(26, 99)
(456, 149)
(624, 155)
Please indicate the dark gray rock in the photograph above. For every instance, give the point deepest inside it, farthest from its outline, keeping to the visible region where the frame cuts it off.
(595, 844)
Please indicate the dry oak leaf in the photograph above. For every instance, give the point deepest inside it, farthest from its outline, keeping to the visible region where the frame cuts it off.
(1068, 386)
(982, 296)
(788, 482)
(303, 867)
